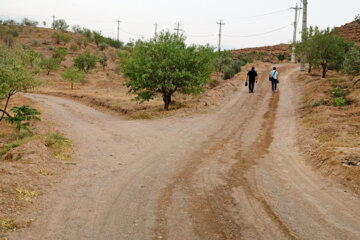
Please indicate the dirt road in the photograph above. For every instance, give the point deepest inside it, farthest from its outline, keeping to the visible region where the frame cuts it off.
(234, 173)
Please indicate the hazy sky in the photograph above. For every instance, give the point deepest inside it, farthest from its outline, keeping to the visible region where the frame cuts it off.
(243, 19)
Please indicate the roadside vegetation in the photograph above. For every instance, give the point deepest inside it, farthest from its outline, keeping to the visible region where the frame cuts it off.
(331, 104)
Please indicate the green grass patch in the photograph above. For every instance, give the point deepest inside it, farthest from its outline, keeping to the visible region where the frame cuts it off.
(6, 148)
(7, 224)
(61, 146)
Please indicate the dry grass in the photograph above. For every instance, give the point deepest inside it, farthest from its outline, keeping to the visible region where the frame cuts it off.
(27, 168)
(335, 130)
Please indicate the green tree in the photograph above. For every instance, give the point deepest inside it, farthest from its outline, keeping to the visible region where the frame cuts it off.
(73, 75)
(60, 24)
(60, 54)
(352, 62)
(85, 61)
(324, 48)
(357, 18)
(223, 61)
(103, 60)
(16, 74)
(98, 38)
(50, 64)
(164, 65)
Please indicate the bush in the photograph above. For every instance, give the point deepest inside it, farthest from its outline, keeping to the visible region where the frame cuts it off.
(60, 24)
(25, 47)
(118, 69)
(338, 92)
(46, 42)
(340, 102)
(22, 117)
(103, 46)
(13, 32)
(9, 40)
(35, 43)
(60, 54)
(85, 61)
(229, 73)
(51, 48)
(28, 22)
(73, 47)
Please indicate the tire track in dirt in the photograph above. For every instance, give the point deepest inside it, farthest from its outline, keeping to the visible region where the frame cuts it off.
(211, 217)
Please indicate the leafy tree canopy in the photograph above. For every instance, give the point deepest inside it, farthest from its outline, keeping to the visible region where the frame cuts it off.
(164, 65)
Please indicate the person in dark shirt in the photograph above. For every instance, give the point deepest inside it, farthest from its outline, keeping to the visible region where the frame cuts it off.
(252, 77)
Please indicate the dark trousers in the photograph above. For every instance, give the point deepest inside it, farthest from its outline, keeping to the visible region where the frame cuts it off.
(251, 85)
(274, 84)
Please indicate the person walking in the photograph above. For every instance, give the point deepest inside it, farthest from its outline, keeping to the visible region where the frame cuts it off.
(252, 77)
(274, 78)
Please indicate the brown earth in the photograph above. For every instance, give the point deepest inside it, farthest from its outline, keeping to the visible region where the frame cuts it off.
(334, 148)
(350, 31)
(27, 169)
(236, 172)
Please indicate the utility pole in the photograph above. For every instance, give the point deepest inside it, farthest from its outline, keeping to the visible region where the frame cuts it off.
(53, 22)
(304, 27)
(118, 29)
(156, 29)
(294, 37)
(220, 25)
(177, 29)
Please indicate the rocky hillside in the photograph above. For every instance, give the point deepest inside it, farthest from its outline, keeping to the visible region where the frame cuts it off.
(267, 53)
(350, 31)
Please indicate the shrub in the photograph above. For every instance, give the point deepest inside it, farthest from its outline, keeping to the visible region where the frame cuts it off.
(60, 24)
(103, 46)
(60, 54)
(35, 42)
(73, 47)
(28, 22)
(45, 42)
(22, 117)
(118, 69)
(85, 61)
(340, 102)
(13, 32)
(103, 60)
(281, 57)
(9, 40)
(25, 47)
(229, 73)
(49, 64)
(72, 75)
(51, 48)
(338, 92)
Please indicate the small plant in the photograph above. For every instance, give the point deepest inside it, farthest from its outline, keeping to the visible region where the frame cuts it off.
(9, 40)
(46, 42)
(281, 57)
(22, 117)
(51, 48)
(338, 92)
(35, 43)
(7, 224)
(340, 102)
(61, 146)
(27, 195)
(73, 48)
(103, 61)
(103, 46)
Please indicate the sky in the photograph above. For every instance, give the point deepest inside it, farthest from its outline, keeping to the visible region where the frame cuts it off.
(251, 23)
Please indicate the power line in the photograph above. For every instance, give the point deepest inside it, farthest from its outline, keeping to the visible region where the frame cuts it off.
(257, 34)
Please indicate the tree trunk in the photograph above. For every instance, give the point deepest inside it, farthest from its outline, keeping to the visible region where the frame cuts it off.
(324, 66)
(48, 72)
(309, 68)
(167, 101)
(6, 104)
(72, 86)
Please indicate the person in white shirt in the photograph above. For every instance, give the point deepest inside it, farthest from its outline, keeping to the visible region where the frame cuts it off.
(274, 78)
